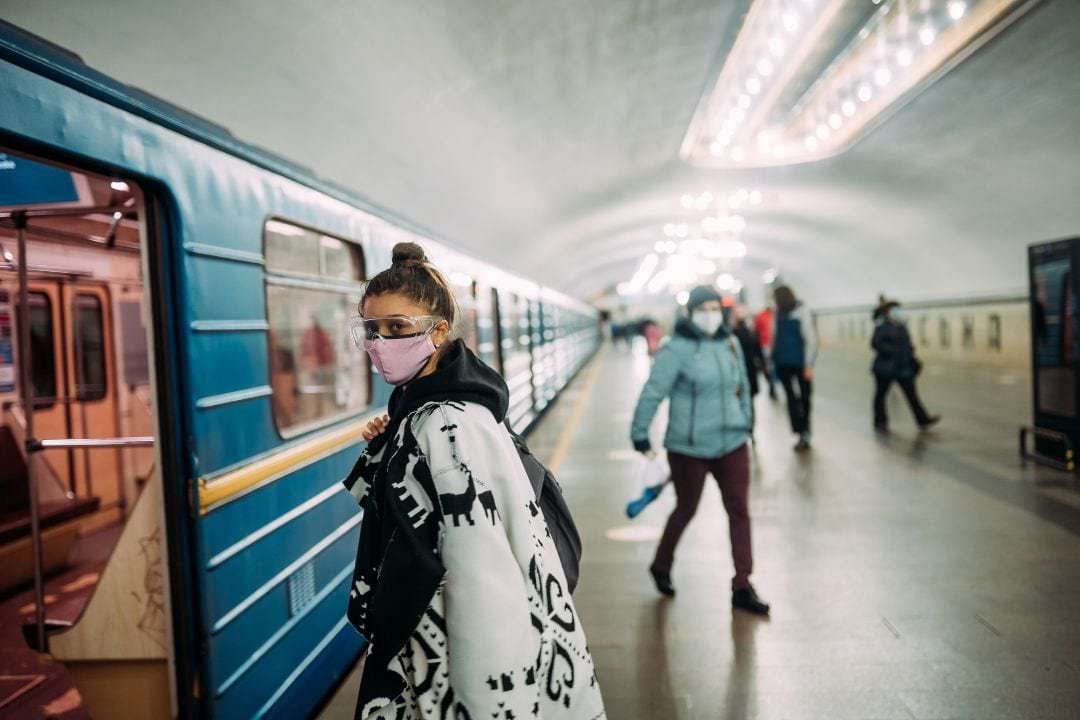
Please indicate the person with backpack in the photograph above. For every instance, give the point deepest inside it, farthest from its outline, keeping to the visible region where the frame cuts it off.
(794, 352)
(702, 373)
(895, 361)
(459, 586)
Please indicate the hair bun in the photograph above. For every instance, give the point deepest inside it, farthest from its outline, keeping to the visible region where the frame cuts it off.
(407, 253)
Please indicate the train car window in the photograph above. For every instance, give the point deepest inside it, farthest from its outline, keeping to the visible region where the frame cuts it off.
(508, 319)
(924, 336)
(317, 373)
(994, 334)
(89, 327)
(468, 328)
(42, 351)
(340, 260)
(292, 249)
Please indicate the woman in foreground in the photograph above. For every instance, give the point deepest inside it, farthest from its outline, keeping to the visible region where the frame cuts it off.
(458, 586)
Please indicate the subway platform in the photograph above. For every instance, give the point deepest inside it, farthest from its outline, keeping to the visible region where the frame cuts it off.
(917, 575)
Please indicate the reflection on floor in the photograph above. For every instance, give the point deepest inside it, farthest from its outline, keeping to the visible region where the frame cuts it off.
(911, 576)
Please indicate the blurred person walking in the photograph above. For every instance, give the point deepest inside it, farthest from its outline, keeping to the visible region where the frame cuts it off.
(794, 353)
(653, 335)
(752, 355)
(763, 325)
(895, 361)
(702, 372)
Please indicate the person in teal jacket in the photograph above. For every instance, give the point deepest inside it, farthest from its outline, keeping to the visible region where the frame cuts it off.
(702, 374)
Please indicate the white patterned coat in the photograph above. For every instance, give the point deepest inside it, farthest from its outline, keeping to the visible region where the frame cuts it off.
(500, 638)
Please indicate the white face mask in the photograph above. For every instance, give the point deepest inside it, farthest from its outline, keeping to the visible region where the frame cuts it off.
(708, 320)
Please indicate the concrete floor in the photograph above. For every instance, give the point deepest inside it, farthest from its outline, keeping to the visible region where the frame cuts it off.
(913, 576)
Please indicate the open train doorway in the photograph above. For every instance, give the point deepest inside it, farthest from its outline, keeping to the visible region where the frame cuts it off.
(82, 575)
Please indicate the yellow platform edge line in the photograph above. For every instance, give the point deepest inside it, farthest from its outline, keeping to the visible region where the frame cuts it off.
(566, 437)
(217, 491)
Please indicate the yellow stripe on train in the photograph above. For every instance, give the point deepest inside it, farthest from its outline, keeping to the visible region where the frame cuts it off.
(214, 492)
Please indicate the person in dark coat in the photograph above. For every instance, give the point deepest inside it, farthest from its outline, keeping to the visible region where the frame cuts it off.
(752, 354)
(895, 361)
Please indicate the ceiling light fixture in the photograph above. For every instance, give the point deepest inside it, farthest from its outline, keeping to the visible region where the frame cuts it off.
(770, 100)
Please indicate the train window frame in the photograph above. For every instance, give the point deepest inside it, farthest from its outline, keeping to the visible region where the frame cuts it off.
(276, 277)
(101, 391)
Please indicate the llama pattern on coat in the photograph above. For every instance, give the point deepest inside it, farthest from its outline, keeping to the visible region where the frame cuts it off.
(498, 561)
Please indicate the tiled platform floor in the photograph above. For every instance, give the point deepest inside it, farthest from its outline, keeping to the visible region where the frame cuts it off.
(915, 576)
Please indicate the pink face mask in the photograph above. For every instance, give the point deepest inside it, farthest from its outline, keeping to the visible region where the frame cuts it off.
(398, 360)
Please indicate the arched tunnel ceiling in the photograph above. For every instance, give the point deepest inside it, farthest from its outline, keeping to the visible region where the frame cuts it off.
(545, 136)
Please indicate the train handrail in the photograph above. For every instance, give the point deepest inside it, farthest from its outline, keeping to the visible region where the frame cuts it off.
(90, 443)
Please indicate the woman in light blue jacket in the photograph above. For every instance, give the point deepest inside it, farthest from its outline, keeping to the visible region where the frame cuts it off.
(702, 373)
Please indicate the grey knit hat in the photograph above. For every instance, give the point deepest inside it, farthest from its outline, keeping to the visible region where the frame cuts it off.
(701, 295)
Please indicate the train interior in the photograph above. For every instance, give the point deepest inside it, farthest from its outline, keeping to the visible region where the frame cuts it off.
(91, 406)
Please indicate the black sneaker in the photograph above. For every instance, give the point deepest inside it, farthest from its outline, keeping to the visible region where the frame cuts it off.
(930, 422)
(882, 428)
(662, 578)
(748, 600)
(803, 444)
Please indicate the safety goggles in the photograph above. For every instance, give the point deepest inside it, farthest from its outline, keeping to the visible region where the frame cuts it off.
(365, 329)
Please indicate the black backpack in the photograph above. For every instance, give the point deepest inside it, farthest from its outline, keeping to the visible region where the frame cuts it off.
(556, 513)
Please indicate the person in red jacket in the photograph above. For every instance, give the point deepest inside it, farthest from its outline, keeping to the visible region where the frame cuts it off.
(763, 326)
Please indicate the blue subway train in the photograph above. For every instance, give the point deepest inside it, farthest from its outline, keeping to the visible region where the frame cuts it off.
(181, 397)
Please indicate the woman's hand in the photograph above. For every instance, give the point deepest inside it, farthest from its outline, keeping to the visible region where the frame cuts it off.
(375, 428)
(808, 374)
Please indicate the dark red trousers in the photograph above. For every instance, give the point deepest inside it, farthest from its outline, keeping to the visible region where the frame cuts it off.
(732, 473)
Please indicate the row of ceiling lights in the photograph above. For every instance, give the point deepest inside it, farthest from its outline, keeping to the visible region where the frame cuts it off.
(690, 260)
(746, 120)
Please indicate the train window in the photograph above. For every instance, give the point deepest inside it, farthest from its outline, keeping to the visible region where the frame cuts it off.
(924, 336)
(89, 327)
(944, 332)
(994, 335)
(42, 350)
(467, 327)
(340, 260)
(968, 332)
(292, 249)
(317, 373)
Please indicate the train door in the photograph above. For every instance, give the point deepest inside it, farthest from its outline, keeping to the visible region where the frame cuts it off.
(83, 582)
(89, 389)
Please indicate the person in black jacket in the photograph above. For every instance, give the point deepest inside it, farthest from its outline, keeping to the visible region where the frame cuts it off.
(895, 362)
(752, 354)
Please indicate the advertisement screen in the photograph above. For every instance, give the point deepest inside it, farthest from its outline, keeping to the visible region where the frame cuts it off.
(1055, 332)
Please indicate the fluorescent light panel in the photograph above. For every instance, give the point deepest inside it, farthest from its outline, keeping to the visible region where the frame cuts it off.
(750, 120)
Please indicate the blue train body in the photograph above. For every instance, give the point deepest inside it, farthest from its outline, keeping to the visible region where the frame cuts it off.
(253, 518)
